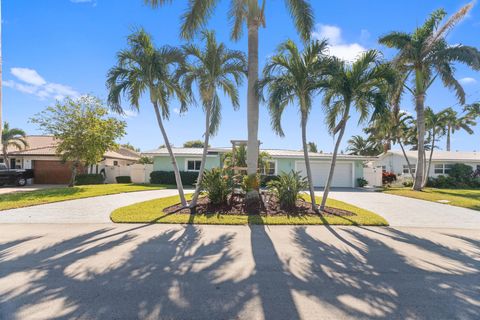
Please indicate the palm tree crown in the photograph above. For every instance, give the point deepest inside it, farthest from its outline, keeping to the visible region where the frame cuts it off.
(12, 137)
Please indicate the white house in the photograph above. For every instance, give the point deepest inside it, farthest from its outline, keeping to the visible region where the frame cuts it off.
(394, 161)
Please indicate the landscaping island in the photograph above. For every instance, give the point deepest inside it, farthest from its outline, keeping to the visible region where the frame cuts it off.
(168, 210)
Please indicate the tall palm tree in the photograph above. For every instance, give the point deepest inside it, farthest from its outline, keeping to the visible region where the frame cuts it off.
(400, 132)
(212, 68)
(435, 126)
(454, 122)
(12, 137)
(425, 55)
(361, 85)
(143, 68)
(292, 77)
(252, 14)
(361, 146)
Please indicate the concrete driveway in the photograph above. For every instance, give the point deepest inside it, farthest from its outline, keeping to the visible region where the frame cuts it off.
(88, 210)
(30, 187)
(407, 212)
(237, 272)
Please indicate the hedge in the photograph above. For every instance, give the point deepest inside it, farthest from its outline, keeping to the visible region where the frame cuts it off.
(89, 178)
(123, 179)
(168, 177)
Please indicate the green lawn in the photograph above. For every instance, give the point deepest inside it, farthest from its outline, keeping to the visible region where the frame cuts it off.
(152, 212)
(466, 198)
(31, 198)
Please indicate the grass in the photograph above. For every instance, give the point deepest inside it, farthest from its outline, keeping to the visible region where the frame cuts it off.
(152, 212)
(466, 198)
(31, 198)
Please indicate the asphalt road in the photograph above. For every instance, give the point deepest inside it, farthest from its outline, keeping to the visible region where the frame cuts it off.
(105, 271)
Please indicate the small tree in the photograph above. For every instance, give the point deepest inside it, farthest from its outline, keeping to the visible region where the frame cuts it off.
(193, 144)
(312, 147)
(12, 137)
(83, 129)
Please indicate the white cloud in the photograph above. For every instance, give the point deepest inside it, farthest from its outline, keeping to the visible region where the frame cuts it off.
(29, 76)
(130, 113)
(30, 82)
(176, 110)
(337, 45)
(93, 2)
(467, 80)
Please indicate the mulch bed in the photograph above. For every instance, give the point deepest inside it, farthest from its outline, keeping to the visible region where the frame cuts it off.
(270, 207)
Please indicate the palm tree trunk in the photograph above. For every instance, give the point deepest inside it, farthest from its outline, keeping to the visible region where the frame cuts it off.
(408, 161)
(307, 163)
(252, 99)
(419, 172)
(5, 156)
(193, 203)
(178, 179)
(332, 165)
(427, 172)
(449, 129)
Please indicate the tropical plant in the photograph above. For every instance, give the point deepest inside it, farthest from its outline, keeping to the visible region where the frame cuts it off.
(294, 77)
(312, 147)
(361, 146)
(435, 127)
(361, 85)
(288, 188)
(218, 185)
(140, 68)
(130, 146)
(252, 14)
(454, 122)
(424, 56)
(83, 129)
(401, 133)
(12, 137)
(240, 160)
(193, 144)
(212, 68)
(145, 160)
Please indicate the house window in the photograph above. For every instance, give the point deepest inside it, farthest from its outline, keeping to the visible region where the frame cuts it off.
(442, 168)
(115, 163)
(193, 165)
(412, 168)
(269, 169)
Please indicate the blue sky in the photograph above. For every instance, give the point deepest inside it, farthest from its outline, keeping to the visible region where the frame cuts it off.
(54, 48)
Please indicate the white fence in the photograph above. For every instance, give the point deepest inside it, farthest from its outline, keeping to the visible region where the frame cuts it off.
(139, 173)
(373, 176)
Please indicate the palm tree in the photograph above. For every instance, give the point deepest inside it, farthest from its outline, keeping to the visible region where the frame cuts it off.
(212, 68)
(425, 55)
(12, 137)
(312, 147)
(140, 68)
(454, 122)
(291, 76)
(361, 84)
(251, 13)
(401, 131)
(435, 126)
(361, 146)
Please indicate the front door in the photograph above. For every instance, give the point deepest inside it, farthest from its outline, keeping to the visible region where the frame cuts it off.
(13, 163)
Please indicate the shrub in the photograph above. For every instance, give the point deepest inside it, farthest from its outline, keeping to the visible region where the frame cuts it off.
(388, 177)
(168, 177)
(251, 182)
(407, 183)
(264, 180)
(459, 176)
(362, 182)
(89, 178)
(218, 184)
(441, 182)
(461, 172)
(287, 188)
(123, 179)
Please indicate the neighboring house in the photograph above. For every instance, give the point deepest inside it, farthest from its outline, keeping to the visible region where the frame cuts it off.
(394, 161)
(348, 168)
(48, 168)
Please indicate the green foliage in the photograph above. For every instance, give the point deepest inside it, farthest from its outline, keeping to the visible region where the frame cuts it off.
(407, 183)
(12, 137)
(193, 144)
(145, 160)
(288, 188)
(264, 180)
(312, 147)
(90, 178)
(361, 146)
(251, 182)
(460, 176)
(362, 182)
(123, 179)
(168, 177)
(218, 184)
(461, 172)
(82, 128)
(129, 146)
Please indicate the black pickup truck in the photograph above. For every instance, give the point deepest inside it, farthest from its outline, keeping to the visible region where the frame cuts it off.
(14, 176)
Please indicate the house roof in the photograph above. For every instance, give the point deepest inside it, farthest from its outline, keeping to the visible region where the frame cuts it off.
(440, 155)
(46, 146)
(274, 153)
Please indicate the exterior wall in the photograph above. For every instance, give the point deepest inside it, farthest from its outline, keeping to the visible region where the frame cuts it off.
(164, 163)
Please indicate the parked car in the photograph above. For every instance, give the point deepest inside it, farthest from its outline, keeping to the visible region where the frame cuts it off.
(14, 176)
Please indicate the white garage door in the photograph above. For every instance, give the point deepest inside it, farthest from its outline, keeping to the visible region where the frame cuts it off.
(342, 177)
